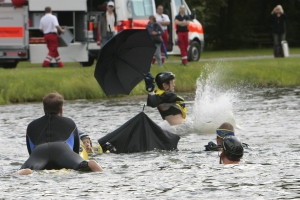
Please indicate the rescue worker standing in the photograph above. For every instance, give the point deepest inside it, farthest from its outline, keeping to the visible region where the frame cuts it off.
(182, 21)
(49, 26)
(108, 22)
(164, 21)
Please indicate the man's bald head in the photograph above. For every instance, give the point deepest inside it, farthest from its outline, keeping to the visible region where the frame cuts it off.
(226, 126)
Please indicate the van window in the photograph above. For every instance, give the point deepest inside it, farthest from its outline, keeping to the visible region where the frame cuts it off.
(139, 9)
(178, 3)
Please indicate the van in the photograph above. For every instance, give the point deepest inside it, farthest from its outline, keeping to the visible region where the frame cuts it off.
(21, 39)
(134, 14)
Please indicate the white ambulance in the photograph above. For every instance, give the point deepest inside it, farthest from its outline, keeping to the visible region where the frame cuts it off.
(21, 39)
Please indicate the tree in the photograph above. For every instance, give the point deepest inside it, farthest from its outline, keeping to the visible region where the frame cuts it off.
(232, 24)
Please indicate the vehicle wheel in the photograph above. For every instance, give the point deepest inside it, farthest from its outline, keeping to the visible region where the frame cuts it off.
(89, 63)
(194, 51)
(10, 65)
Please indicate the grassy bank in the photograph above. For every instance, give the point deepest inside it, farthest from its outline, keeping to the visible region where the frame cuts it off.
(29, 83)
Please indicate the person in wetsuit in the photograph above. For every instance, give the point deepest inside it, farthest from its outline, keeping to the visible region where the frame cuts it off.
(232, 150)
(53, 141)
(225, 129)
(170, 105)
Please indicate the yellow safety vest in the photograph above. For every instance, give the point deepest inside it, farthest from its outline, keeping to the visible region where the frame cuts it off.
(178, 104)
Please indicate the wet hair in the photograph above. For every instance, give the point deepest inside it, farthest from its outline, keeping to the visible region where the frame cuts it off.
(53, 102)
(152, 17)
(48, 9)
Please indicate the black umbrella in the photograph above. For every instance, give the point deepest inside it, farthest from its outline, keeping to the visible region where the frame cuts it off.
(124, 60)
(139, 134)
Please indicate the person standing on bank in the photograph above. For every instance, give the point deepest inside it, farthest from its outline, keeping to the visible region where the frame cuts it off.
(155, 30)
(278, 28)
(108, 23)
(182, 21)
(164, 21)
(49, 26)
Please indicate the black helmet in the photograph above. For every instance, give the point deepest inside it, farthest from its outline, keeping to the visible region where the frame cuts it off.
(164, 77)
(233, 147)
(83, 136)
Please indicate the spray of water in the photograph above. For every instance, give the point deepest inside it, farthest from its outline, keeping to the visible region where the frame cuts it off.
(213, 103)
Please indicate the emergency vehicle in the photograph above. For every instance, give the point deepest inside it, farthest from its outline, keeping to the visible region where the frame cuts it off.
(21, 39)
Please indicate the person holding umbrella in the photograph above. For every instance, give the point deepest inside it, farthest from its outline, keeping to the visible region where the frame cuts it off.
(170, 105)
(155, 30)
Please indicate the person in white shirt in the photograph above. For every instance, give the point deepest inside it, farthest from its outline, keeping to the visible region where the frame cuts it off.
(49, 26)
(164, 21)
(108, 23)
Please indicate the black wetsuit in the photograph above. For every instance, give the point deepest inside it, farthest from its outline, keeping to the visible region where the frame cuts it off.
(53, 143)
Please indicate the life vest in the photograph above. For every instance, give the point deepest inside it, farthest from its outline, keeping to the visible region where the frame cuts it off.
(179, 104)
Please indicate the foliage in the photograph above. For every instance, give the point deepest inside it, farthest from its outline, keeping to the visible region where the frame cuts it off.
(233, 24)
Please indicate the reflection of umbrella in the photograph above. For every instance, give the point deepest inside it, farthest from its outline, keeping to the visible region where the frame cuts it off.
(124, 60)
(140, 134)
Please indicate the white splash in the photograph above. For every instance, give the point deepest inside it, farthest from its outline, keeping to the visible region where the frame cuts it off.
(213, 104)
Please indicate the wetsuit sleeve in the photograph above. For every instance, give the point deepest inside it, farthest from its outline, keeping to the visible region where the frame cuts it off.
(28, 145)
(76, 141)
(155, 100)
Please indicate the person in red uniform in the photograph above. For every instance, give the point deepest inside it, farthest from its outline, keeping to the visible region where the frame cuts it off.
(164, 21)
(182, 21)
(49, 26)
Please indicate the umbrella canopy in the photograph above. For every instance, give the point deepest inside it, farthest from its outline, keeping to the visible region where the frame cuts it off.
(140, 134)
(123, 61)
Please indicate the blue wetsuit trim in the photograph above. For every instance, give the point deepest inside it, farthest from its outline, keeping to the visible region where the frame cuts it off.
(31, 144)
(70, 141)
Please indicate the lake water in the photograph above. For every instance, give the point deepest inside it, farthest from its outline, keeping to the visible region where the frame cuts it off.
(267, 119)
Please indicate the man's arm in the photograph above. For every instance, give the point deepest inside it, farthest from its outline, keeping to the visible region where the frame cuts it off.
(57, 26)
(76, 141)
(60, 29)
(181, 23)
(166, 21)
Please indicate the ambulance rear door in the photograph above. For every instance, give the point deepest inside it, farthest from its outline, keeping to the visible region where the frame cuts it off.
(13, 34)
(71, 14)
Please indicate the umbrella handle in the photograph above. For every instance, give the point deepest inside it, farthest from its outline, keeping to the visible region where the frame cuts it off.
(143, 107)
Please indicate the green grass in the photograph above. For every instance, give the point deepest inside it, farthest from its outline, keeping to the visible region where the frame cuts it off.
(29, 82)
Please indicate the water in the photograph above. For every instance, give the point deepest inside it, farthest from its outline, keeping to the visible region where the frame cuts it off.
(267, 119)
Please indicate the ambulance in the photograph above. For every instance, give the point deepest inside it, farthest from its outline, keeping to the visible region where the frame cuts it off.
(21, 39)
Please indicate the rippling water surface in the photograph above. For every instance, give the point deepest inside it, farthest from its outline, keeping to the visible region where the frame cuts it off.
(267, 119)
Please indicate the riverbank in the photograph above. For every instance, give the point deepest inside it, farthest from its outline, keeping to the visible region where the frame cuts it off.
(29, 83)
